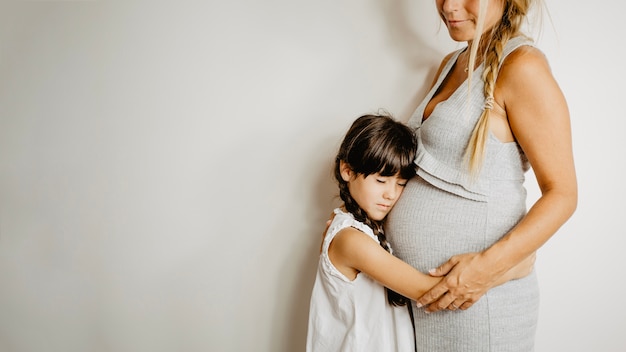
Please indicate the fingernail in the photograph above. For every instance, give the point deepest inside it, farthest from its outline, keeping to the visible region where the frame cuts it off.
(419, 305)
(432, 271)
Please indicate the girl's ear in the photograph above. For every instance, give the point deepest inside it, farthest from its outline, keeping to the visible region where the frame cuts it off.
(346, 171)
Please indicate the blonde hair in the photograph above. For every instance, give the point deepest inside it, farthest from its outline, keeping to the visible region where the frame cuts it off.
(493, 41)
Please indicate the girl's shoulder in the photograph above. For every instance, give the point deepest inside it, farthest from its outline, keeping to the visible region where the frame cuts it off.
(343, 219)
(347, 241)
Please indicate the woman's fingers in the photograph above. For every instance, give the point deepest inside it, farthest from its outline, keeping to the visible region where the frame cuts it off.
(444, 268)
(466, 305)
(457, 304)
(433, 295)
(443, 303)
(441, 288)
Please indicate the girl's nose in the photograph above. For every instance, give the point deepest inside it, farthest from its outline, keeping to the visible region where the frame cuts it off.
(390, 193)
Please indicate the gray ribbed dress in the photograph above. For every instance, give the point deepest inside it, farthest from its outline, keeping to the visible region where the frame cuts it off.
(442, 213)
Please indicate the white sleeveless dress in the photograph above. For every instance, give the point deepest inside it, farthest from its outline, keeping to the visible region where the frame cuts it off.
(442, 212)
(353, 315)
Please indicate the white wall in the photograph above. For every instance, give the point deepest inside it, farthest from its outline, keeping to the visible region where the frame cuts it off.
(165, 165)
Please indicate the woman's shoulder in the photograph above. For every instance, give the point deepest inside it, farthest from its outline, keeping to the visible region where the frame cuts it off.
(523, 58)
(442, 66)
(522, 64)
(524, 76)
(449, 57)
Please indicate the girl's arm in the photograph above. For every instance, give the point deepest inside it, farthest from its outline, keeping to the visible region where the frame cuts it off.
(539, 119)
(352, 252)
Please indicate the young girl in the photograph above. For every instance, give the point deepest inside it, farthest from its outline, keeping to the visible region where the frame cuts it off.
(350, 309)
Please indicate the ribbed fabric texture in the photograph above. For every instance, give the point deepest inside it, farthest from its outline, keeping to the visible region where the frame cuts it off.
(443, 212)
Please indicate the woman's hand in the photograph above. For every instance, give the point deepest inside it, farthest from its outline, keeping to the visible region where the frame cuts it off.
(467, 277)
(519, 271)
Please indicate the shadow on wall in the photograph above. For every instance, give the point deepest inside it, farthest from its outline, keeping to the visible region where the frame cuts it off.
(300, 294)
(299, 268)
(420, 56)
(413, 27)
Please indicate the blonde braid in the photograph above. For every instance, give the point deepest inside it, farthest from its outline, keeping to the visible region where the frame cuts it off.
(504, 30)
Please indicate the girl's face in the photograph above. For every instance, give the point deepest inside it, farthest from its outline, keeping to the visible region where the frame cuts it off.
(375, 194)
(461, 16)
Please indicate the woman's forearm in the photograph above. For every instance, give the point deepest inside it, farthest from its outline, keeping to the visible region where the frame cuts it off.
(545, 217)
(519, 271)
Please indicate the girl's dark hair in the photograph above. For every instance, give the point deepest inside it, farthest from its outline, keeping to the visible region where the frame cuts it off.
(376, 144)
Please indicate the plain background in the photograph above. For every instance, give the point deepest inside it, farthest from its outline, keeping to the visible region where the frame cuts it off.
(165, 165)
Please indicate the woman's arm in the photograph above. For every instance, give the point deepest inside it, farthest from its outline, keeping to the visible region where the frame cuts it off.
(539, 119)
(523, 269)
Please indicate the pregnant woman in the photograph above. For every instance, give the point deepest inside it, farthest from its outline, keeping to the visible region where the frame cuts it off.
(493, 111)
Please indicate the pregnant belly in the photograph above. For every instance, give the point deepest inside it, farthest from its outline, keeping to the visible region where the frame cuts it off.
(428, 225)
